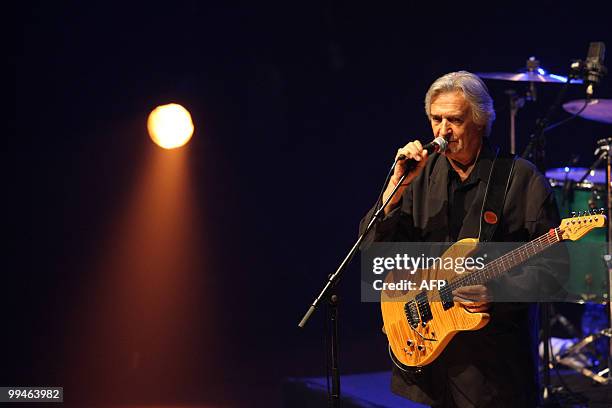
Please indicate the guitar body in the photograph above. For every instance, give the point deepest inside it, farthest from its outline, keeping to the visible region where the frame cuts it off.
(418, 346)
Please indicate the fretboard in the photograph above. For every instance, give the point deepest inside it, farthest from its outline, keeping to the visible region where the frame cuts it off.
(497, 267)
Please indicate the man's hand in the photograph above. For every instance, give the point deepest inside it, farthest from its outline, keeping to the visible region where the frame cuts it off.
(413, 150)
(476, 298)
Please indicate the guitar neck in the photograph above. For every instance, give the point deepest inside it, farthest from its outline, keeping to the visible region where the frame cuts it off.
(499, 266)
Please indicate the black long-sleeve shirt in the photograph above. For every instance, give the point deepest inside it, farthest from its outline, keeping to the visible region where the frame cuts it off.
(496, 363)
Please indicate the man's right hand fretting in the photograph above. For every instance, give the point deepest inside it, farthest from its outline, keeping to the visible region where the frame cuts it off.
(413, 150)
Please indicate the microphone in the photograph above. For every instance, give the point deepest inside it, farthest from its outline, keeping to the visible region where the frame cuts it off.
(592, 69)
(439, 144)
(595, 68)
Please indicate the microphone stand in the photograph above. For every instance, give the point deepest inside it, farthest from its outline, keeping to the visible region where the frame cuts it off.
(332, 281)
(548, 398)
(536, 148)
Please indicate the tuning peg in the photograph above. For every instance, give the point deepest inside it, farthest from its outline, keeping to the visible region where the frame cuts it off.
(573, 214)
(601, 210)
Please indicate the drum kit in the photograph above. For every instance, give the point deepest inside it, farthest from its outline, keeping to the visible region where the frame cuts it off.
(577, 189)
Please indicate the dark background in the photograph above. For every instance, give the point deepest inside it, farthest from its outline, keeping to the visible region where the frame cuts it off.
(299, 108)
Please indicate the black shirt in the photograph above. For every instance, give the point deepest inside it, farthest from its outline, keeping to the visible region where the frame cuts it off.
(461, 195)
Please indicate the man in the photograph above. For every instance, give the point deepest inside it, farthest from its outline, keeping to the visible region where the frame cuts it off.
(441, 200)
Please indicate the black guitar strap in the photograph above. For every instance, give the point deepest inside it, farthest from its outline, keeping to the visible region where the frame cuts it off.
(495, 195)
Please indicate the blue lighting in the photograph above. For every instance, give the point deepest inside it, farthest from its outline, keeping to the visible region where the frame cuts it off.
(541, 71)
(559, 77)
(567, 169)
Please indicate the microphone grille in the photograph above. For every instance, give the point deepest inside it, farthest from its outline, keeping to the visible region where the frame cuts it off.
(442, 144)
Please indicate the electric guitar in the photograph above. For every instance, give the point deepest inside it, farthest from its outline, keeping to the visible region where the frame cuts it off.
(419, 323)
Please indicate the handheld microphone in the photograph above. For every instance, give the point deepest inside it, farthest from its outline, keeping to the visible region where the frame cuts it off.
(439, 144)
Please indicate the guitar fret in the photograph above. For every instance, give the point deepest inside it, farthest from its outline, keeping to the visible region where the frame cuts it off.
(519, 255)
(505, 262)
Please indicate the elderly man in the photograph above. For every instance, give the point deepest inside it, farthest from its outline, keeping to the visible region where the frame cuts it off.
(441, 200)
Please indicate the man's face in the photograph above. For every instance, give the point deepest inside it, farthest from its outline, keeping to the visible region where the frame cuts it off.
(451, 117)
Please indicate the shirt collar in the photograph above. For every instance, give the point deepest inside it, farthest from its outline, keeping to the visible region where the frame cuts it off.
(482, 168)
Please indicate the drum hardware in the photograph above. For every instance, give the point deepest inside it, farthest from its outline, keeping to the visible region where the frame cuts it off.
(516, 103)
(590, 71)
(571, 357)
(608, 257)
(532, 72)
(602, 151)
(588, 279)
(535, 150)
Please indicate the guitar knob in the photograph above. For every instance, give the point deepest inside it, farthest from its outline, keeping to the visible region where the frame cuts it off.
(410, 343)
(420, 347)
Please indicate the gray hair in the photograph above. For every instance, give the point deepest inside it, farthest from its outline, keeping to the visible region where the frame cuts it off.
(474, 91)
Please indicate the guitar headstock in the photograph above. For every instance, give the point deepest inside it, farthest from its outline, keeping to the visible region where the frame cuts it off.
(581, 224)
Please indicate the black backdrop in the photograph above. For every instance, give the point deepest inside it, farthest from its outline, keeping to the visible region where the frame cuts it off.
(298, 111)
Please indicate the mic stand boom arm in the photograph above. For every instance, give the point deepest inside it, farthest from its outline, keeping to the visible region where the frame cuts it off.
(333, 279)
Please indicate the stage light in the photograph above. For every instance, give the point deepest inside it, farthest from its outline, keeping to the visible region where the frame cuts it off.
(170, 126)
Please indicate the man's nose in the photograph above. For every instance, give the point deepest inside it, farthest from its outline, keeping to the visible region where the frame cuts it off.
(444, 128)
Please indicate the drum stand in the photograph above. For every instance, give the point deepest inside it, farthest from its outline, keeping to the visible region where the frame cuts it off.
(567, 357)
(516, 102)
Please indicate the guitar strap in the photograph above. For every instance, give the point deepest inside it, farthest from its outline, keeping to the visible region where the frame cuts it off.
(495, 195)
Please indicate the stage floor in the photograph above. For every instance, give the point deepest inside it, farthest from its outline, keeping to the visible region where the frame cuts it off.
(371, 390)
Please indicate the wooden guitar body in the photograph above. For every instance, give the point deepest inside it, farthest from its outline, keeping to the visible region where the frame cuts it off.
(419, 344)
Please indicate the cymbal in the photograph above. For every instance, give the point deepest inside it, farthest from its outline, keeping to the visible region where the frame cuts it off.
(528, 76)
(599, 110)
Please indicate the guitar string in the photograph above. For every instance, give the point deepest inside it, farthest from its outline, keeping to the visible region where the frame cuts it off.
(537, 245)
(497, 266)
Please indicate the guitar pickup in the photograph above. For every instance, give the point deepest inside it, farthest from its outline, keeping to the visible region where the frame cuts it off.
(423, 306)
(446, 295)
(412, 314)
